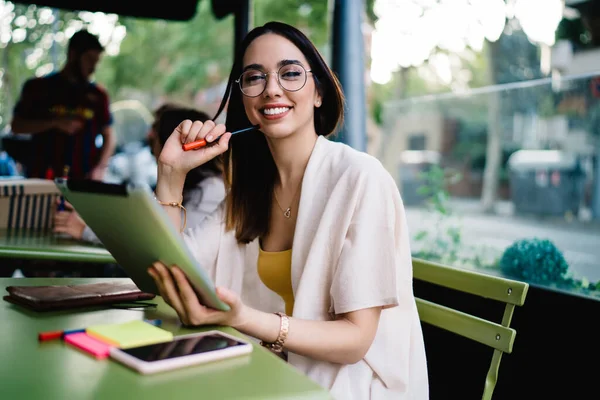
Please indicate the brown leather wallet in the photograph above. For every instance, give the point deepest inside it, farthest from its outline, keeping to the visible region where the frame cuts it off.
(63, 297)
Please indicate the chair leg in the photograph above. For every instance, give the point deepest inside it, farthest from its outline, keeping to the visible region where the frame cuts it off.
(492, 376)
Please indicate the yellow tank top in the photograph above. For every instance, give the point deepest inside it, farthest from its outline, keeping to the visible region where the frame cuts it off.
(275, 271)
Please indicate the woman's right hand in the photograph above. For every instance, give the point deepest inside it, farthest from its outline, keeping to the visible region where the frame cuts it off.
(173, 158)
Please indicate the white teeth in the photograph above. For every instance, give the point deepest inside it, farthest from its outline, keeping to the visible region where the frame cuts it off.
(275, 111)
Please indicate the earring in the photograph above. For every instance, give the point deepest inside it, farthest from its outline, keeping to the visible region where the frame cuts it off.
(318, 103)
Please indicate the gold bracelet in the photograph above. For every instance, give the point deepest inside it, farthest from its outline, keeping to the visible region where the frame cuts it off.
(284, 327)
(175, 204)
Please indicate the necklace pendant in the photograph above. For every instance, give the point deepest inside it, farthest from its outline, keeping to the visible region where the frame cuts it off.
(287, 213)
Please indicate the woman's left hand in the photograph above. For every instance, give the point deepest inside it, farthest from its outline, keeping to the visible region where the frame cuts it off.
(177, 292)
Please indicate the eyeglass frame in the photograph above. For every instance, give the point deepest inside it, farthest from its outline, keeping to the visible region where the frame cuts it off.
(266, 74)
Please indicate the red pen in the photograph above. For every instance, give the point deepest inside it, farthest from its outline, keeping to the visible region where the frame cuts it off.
(201, 143)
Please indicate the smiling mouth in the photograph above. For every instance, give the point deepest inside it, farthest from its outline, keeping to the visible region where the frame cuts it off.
(272, 111)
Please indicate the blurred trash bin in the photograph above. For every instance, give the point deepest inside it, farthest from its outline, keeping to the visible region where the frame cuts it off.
(412, 164)
(545, 182)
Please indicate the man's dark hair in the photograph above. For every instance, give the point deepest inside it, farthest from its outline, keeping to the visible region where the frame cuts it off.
(83, 41)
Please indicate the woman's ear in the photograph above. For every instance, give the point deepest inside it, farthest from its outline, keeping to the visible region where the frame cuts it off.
(318, 93)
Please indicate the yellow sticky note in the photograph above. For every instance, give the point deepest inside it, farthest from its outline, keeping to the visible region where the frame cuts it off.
(129, 334)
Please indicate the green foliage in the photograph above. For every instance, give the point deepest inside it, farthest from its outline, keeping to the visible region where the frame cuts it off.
(310, 16)
(534, 260)
(442, 240)
(575, 31)
(371, 16)
(435, 180)
(443, 243)
(540, 261)
(546, 107)
(179, 59)
(170, 58)
(378, 96)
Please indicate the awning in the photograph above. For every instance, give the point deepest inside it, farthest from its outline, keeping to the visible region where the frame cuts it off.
(176, 10)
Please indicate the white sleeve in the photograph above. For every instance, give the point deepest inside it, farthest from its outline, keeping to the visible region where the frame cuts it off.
(213, 194)
(89, 236)
(367, 270)
(203, 241)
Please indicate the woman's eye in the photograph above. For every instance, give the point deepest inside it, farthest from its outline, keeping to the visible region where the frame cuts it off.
(254, 78)
(291, 75)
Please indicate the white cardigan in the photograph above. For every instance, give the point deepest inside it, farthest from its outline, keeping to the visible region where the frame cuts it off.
(350, 251)
(204, 200)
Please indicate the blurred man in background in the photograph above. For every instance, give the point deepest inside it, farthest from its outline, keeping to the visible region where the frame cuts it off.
(65, 112)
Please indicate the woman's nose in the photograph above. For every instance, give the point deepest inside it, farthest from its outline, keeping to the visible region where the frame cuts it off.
(272, 88)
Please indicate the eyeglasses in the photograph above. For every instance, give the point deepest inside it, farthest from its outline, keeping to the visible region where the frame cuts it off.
(290, 77)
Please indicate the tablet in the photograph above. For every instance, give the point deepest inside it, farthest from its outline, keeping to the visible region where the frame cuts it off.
(182, 351)
(136, 231)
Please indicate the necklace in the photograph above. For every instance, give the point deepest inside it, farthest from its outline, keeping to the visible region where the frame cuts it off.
(288, 211)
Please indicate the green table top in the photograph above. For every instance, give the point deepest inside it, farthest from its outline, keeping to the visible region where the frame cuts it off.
(54, 370)
(40, 245)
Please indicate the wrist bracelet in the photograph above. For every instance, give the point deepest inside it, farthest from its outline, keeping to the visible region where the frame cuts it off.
(174, 204)
(284, 327)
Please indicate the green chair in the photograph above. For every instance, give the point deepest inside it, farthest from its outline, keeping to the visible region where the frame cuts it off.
(499, 336)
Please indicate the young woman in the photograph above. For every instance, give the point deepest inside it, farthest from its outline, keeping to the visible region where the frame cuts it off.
(311, 248)
(203, 190)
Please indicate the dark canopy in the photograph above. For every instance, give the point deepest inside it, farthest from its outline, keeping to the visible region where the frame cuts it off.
(176, 10)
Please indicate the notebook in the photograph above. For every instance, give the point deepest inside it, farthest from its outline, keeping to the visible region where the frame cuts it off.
(129, 334)
(63, 297)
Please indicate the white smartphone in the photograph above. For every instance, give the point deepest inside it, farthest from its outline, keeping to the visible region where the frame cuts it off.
(182, 351)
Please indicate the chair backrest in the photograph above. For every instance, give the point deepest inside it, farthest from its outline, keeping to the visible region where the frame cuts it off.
(499, 336)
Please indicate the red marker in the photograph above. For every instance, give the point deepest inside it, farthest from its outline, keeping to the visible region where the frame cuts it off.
(42, 337)
(201, 143)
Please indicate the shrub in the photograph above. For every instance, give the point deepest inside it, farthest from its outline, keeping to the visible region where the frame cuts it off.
(534, 260)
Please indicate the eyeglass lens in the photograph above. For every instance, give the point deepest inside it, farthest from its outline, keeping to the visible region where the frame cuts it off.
(291, 77)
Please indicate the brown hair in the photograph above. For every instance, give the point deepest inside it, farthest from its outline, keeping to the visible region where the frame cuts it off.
(250, 169)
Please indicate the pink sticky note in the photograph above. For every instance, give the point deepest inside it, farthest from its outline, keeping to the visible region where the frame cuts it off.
(87, 343)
